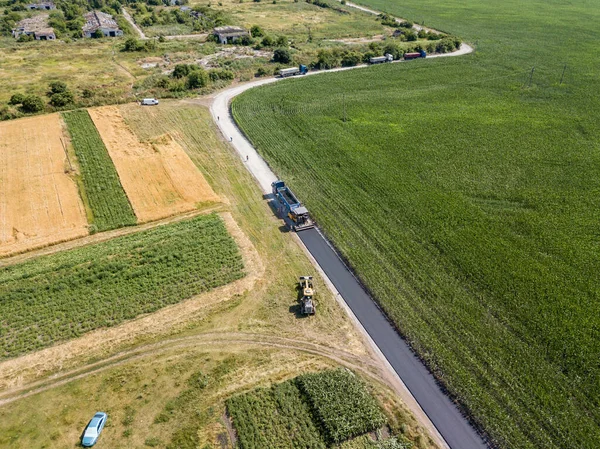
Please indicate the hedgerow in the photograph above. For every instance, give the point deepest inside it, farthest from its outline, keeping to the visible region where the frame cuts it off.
(109, 204)
(62, 296)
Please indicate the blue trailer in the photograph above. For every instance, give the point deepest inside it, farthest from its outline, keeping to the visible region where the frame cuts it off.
(290, 207)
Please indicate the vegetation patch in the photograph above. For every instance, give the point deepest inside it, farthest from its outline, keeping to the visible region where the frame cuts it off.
(341, 404)
(109, 204)
(62, 296)
(310, 411)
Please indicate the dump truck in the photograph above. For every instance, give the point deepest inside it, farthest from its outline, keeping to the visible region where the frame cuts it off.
(290, 207)
(415, 55)
(379, 59)
(292, 71)
(307, 305)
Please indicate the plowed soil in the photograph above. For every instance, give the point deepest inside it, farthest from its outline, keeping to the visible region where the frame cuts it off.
(39, 202)
(159, 178)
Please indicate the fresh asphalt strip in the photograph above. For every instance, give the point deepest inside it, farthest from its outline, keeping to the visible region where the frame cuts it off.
(445, 416)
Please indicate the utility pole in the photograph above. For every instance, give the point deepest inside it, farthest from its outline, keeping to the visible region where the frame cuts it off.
(562, 77)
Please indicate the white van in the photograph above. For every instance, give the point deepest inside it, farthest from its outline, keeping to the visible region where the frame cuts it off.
(149, 102)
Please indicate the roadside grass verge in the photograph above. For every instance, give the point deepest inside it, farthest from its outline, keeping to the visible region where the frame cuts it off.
(109, 204)
(62, 296)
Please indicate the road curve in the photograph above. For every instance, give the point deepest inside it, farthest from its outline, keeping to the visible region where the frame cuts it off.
(444, 416)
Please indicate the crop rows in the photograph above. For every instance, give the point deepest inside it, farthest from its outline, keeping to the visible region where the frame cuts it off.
(311, 411)
(473, 230)
(61, 296)
(341, 404)
(274, 417)
(109, 204)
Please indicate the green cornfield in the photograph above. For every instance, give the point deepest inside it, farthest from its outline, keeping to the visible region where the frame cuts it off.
(61, 296)
(312, 411)
(274, 417)
(341, 404)
(107, 199)
(464, 193)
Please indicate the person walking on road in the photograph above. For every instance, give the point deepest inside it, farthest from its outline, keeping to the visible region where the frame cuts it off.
(231, 138)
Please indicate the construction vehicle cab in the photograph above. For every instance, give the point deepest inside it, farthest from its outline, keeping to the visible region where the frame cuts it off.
(307, 305)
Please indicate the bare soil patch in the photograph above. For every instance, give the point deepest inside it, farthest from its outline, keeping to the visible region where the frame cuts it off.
(39, 202)
(159, 178)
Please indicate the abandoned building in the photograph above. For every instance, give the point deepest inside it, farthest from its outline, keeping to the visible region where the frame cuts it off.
(47, 6)
(97, 20)
(229, 33)
(36, 27)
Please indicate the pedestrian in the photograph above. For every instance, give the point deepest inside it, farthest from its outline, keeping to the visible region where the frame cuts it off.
(247, 158)
(231, 138)
(218, 118)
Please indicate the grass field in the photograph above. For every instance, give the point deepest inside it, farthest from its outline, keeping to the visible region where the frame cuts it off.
(174, 395)
(107, 200)
(62, 296)
(465, 198)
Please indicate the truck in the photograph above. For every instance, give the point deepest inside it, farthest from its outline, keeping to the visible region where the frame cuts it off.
(415, 55)
(307, 305)
(290, 207)
(149, 102)
(293, 71)
(379, 59)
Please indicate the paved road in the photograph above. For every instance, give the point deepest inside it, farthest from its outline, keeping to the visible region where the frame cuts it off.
(445, 417)
(449, 422)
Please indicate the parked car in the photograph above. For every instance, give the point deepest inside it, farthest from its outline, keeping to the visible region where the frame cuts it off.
(149, 102)
(93, 429)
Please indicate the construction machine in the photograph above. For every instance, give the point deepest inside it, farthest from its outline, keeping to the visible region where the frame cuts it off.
(307, 306)
(289, 206)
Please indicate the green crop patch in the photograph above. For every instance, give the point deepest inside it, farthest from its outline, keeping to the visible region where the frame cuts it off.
(311, 411)
(464, 193)
(107, 199)
(61, 296)
(341, 404)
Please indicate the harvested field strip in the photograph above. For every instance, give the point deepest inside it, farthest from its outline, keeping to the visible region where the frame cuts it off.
(158, 176)
(107, 199)
(64, 295)
(39, 202)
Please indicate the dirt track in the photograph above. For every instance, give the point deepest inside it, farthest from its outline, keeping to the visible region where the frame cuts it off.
(159, 178)
(39, 202)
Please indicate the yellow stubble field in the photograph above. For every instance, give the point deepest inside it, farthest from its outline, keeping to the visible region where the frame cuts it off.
(39, 201)
(159, 178)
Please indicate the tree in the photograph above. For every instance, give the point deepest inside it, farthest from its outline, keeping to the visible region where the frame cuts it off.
(16, 99)
(256, 31)
(282, 41)
(351, 59)
(198, 78)
(62, 99)
(181, 70)
(282, 55)
(393, 50)
(267, 41)
(57, 87)
(132, 44)
(32, 103)
(328, 59)
(98, 34)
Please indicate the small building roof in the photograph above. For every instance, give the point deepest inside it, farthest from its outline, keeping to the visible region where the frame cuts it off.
(98, 19)
(230, 31)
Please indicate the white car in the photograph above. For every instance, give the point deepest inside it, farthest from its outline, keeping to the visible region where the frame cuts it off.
(92, 431)
(149, 102)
